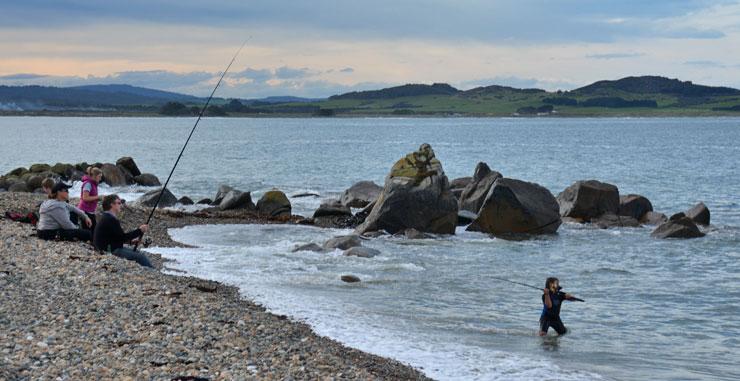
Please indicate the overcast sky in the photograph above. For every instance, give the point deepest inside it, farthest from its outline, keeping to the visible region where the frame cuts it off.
(320, 47)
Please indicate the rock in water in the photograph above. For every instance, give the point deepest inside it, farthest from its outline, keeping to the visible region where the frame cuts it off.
(62, 169)
(465, 217)
(608, 220)
(517, 207)
(205, 201)
(475, 192)
(678, 227)
(699, 214)
(362, 252)
(361, 194)
(653, 218)
(147, 180)
(349, 279)
(150, 198)
(129, 164)
(308, 247)
(343, 242)
(222, 191)
(274, 204)
(235, 199)
(588, 199)
(38, 168)
(416, 195)
(331, 213)
(634, 205)
(113, 176)
(185, 200)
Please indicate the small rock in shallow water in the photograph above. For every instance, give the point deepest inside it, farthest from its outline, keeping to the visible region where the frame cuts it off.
(350, 279)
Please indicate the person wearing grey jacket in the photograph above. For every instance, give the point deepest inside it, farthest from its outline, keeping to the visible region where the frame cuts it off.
(54, 221)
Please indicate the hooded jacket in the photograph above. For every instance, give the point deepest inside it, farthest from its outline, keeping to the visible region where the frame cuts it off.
(54, 214)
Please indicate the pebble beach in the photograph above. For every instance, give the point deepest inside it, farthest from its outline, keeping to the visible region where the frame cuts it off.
(70, 313)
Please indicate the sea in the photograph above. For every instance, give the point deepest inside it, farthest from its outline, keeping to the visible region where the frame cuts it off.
(654, 309)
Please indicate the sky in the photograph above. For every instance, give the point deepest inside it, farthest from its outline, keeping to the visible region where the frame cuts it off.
(319, 48)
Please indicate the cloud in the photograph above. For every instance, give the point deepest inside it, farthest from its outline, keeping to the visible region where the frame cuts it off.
(21, 76)
(347, 70)
(611, 56)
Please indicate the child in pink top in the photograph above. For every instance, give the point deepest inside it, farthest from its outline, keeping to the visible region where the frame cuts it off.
(89, 197)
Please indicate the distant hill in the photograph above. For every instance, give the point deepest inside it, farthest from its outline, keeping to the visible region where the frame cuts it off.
(497, 89)
(138, 91)
(410, 90)
(655, 85)
(282, 99)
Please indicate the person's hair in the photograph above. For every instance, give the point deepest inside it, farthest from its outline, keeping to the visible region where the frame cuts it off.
(94, 171)
(550, 281)
(48, 183)
(109, 200)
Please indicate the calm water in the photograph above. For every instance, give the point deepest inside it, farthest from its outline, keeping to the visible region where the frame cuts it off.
(655, 309)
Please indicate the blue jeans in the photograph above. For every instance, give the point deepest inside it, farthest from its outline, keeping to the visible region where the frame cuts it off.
(131, 255)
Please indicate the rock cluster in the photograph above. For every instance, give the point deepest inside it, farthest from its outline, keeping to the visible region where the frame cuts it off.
(124, 172)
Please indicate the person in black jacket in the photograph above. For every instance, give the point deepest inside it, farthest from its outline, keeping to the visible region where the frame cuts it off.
(552, 300)
(109, 235)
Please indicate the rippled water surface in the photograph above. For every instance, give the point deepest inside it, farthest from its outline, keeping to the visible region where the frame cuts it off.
(655, 309)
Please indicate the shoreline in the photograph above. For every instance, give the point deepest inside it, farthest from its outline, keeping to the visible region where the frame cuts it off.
(687, 115)
(72, 313)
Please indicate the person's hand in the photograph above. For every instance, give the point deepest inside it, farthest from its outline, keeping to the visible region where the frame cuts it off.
(88, 222)
(135, 241)
(144, 228)
(545, 290)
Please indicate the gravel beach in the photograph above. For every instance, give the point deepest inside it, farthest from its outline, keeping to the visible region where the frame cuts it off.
(70, 313)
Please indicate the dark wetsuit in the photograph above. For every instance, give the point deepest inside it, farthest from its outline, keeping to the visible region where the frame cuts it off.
(551, 316)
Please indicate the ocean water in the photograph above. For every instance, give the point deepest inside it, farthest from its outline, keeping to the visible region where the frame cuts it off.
(655, 309)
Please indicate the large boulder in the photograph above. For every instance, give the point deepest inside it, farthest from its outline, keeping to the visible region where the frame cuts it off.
(185, 200)
(457, 186)
(677, 227)
(150, 198)
(38, 168)
(634, 205)
(274, 204)
(18, 186)
(129, 165)
(361, 194)
(332, 213)
(475, 192)
(416, 195)
(517, 207)
(236, 200)
(62, 169)
(20, 171)
(589, 199)
(699, 214)
(113, 176)
(34, 182)
(221, 193)
(147, 180)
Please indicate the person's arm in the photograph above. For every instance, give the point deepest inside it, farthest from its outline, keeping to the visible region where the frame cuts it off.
(87, 198)
(80, 213)
(546, 296)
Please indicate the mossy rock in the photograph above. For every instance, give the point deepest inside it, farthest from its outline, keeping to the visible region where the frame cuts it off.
(38, 168)
(82, 166)
(417, 165)
(61, 168)
(274, 203)
(19, 186)
(18, 172)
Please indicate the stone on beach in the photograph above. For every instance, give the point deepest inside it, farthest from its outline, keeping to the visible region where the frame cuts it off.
(38, 168)
(150, 198)
(185, 200)
(588, 199)
(113, 176)
(474, 194)
(129, 165)
(517, 207)
(416, 195)
(361, 194)
(221, 193)
(274, 203)
(699, 213)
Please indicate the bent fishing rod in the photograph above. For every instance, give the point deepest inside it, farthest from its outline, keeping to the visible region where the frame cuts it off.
(535, 287)
(200, 115)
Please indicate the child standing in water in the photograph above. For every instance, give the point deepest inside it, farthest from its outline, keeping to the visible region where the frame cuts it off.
(552, 299)
(89, 197)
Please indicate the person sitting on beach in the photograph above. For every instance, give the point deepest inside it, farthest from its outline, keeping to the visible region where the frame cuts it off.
(89, 195)
(552, 299)
(54, 219)
(109, 235)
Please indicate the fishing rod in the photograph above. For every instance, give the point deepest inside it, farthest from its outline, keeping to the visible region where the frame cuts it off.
(200, 115)
(535, 287)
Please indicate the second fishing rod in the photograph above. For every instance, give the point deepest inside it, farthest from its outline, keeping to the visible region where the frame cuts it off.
(535, 287)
